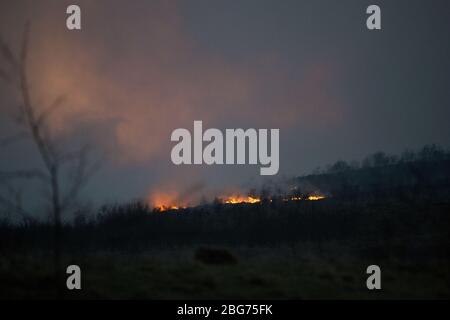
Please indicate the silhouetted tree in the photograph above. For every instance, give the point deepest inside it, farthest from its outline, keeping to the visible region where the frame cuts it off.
(339, 166)
(431, 152)
(33, 123)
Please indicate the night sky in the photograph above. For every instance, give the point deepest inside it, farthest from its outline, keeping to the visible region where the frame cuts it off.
(140, 69)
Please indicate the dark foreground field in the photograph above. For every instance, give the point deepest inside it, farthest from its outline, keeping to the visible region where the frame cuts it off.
(302, 250)
(278, 273)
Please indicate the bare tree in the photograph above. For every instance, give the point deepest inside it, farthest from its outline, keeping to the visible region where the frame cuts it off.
(33, 123)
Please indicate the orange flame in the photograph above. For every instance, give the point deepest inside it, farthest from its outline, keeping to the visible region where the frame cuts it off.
(241, 199)
(170, 201)
(165, 201)
(309, 198)
(315, 198)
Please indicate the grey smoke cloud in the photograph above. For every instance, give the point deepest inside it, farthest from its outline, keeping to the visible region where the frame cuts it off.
(139, 69)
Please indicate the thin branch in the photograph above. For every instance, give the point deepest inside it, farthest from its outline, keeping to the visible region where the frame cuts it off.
(74, 155)
(19, 118)
(16, 209)
(82, 175)
(7, 54)
(36, 125)
(43, 117)
(23, 174)
(28, 111)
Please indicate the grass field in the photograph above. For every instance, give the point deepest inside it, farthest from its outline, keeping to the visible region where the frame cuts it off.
(301, 250)
(294, 272)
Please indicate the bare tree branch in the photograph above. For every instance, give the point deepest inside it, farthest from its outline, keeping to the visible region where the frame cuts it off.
(44, 145)
(82, 174)
(55, 161)
(16, 208)
(35, 124)
(24, 174)
(7, 54)
(43, 117)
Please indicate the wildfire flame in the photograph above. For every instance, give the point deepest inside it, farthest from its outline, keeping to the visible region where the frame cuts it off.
(241, 199)
(315, 198)
(165, 201)
(169, 207)
(169, 201)
(308, 198)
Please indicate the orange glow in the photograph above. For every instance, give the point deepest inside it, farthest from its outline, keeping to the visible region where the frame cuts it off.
(241, 199)
(314, 198)
(165, 201)
(299, 198)
(171, 201)
(169, 207)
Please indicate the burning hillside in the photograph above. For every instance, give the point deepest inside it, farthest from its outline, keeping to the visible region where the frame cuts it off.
(241, 199)
(165, 202)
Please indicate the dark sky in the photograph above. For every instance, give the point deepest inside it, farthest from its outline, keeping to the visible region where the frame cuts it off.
(139, 69)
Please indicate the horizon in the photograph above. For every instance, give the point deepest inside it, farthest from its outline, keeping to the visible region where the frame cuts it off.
(134, 73)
